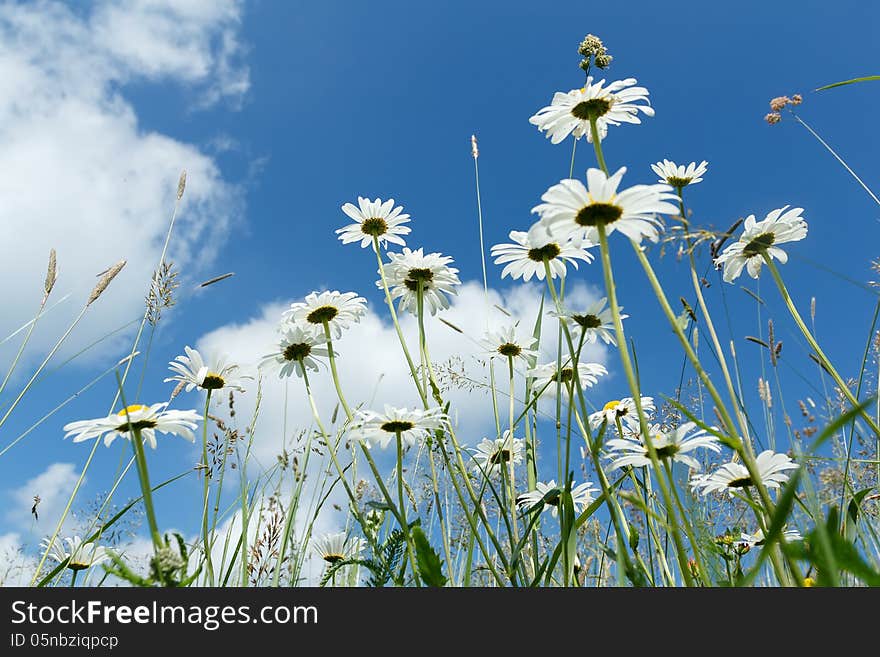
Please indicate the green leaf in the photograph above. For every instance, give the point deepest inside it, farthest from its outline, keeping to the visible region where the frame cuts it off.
(867, 78)
(427, 559)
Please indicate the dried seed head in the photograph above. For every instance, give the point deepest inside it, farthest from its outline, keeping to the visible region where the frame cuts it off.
(779, 102)
(474, 150)
(797, 99)
(773, 118)
(51, 273)
(106, 279)
(181, 184)
(177, 390)
(813, 309)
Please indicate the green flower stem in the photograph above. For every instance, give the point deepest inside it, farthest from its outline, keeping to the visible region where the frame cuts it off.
(512, 425)
(688, 528)
(332, 357)
(597, 145)
(339, 469)
(617, 515)
(390, 302)
(611, 291)
(206, 544)
(146, 490)
(653, 535)
(403, 521)
(744, 453)
(826, 362)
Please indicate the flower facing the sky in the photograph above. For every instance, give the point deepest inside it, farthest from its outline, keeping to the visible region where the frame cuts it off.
(297, 348)
(672, 445)
(594, 322)
(525, 257)
(505, 343)
(492, 455)
(382, 429)
(336, 547)
(339, 310)
(194, 372)
(81, 555)
(145, 419)
(569, 113)
(547, 375)
(623, 409)
(761, 238)
(572, 210)
(731, 476)
(378, 219)
(678, 175)
(581, 496)
(410, 271)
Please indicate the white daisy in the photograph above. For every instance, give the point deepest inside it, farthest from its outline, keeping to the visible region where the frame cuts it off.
(572, 210)
(492, 455)
(505, 342)
(547, 375)
(679, 176)
(733, 475)
(297, 345)
(596, 321)
(336, 547)
(413, 425)
(81, 555)
(147, 419)
(411, 269)
(338, 309)
(673, 445)
(760, 237)
(581, 496)
(757, 539)
(374, 219)
(625, 409)
(569, 113)
(195, 373)
(525, 257)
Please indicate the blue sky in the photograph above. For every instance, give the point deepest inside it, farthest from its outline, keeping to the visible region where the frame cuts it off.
(284, 111)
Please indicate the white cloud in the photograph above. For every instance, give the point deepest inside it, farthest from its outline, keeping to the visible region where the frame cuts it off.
(81, 174)
(53, 485)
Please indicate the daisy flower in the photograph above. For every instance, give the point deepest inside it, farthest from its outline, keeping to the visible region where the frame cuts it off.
(146, 419)
(595, 322)
(625, 409)
(491, 455)
(195, 373)
(81, 555)
(336, 547)
(733, 475)
(382, 428)
(572, 210)
(757, 539)
(678, 175)
(545, 375)
(410, 269)
(504, 342)
(338, 309)
(297, 345)
(581, 496)
(569, 113)
(378, 219)
(525, 257)
(759, 238)
(673, 445)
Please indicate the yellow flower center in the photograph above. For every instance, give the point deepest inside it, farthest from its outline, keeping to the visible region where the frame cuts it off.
(131, 410)
(611, 406)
